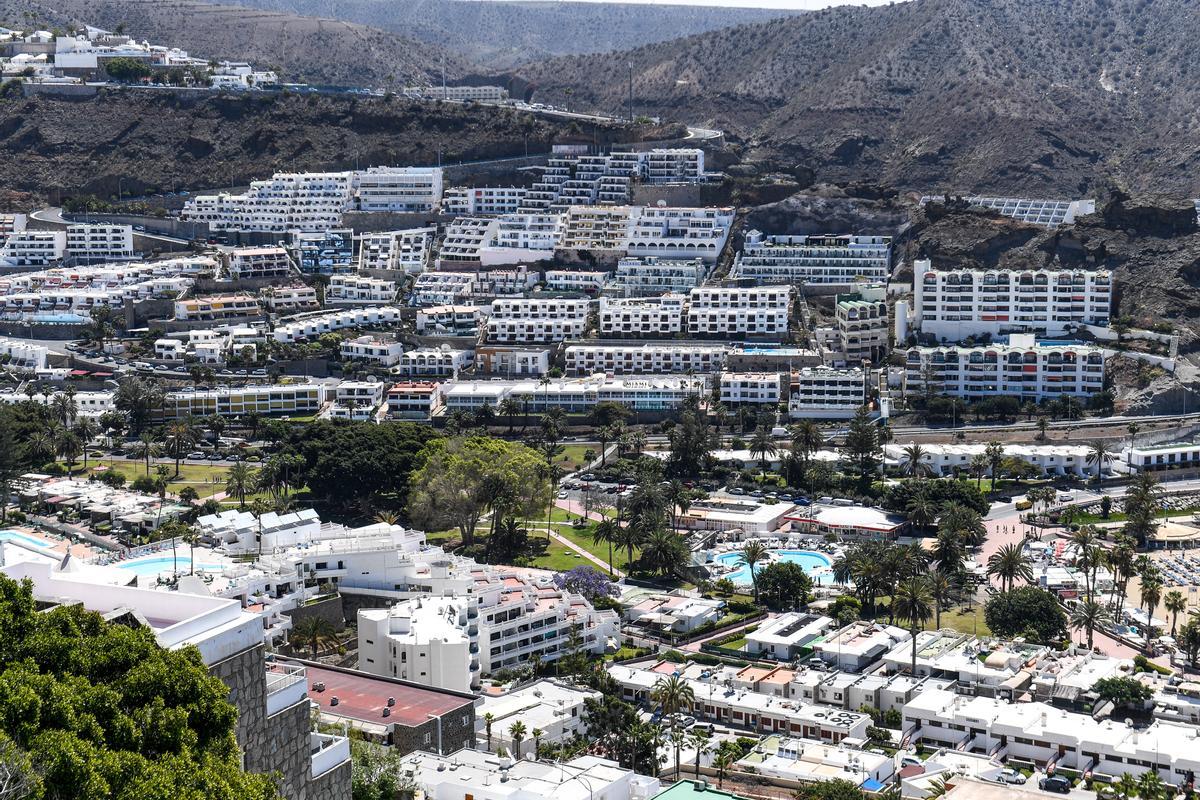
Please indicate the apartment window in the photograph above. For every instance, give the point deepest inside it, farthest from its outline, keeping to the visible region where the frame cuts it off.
(466, 719)
(428, 738)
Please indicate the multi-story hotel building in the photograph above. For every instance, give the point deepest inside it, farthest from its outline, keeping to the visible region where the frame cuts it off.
(397, 189)
(237, 401)
(603, 228)
(537, 320)
(465, 239)
(358, 290)
(434, 362)
(259, 262)
(656, 393)
(33, 248)
(751, 388)
(314, 326)
(565, 280)
(715, 310)
(644, 359)
(380, 350)
(953, 304)
(101, 242)
(324, 252)
(862, 326)
(470, 201)
(1023, 368)
(824, 259)
(643, 277)
(449, 320)
(826, 393)
(509, 361)
(649, 316)
(680, 232)
(217, 307)
(416, 400)
(395, 252)
(305, 201)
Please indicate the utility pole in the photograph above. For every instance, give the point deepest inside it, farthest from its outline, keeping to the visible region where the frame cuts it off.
(445, 91)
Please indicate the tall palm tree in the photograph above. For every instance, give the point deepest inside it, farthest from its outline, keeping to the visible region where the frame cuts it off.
(181, 436)
(1009, 563)
(672, 694)
(1176, 604)
(921, 508)
(509, 408)
(516, 732)
(725, 758)
(488, 719)
(313, 632)
(1151, 595)
(807, 439)
(1101, 454)
(994, 452)
(754, 552)
(240, 482)
(914, 465)
(979, 467)
(678, 738)
(1150, 786)
(698, 738)
(1126, 786)
(1087, 616)
(762, 446)
(913, 604)
(537, 734)
(147, 447)
(944, 591)
(86, 429)
(607, 531)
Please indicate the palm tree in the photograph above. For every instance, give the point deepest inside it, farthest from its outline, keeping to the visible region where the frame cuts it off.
(67, 445)
(698, 738)
(65, 408)
(607, 531)
(1150, 786)
(944, 592)
(921, 508)
(914, 465)
(1100, 454)
(1176, 604)
(994, 452)
(664, 551)
(678, 739)
(1087, 616)
(725, 758)
(762, 446)
(181, 436)
(509, 408)
(1125, 786)
(672, 694)
(488, 719)
(239, 483)
(753, 553)
(147, 448)
(537, 734)
(313, 632)
(86, 429)
(1009, 563)
(913, 604)
(516, 732)
(806, 440)
(1151, 595)
(1043, 426)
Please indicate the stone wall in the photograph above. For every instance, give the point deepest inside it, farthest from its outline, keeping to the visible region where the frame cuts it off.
(351, 603)
(246, 676)
(333, 785)
(456, 734)
(286, 749)
(329, 609)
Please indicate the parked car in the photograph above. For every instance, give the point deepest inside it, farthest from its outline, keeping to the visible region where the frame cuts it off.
(1055, 783)
(1010, 776)
(196, 456)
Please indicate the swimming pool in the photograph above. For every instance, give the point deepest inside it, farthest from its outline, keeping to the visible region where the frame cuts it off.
(815, 564)
(153, 566)
(17, 536)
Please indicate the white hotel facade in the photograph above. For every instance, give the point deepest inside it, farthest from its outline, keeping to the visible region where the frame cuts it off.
(537, 320)
(644, 359)
(824, 259)
(641, 316)
(953, 304)
(650, 276)
(722, 311)
(826, 393)
(1023, 368)
(653, 393)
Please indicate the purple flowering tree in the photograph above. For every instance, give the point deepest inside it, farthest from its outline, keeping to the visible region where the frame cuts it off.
(586, 581)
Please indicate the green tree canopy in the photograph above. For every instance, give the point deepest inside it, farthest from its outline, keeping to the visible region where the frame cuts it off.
(1122, 691)
(1026, 609)
(103, 712)
(783, 586)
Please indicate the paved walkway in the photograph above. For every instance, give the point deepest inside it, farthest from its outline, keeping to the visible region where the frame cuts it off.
(584, 553)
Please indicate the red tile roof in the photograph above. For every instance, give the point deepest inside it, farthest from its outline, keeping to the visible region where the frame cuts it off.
(363, 697)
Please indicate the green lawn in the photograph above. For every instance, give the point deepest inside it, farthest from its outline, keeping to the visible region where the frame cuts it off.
(556, 556)
(571, 457)
(206, 479)
(965, 622)
(583, 538)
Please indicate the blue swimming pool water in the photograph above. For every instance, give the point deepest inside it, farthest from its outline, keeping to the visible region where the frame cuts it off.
(153, 566)
(64, 319)
(17, 536)
(810, 561)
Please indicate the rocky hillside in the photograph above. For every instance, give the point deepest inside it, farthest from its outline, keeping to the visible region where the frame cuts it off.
(321, 51)
(499, 34)
(1045, 98)
(159, 141)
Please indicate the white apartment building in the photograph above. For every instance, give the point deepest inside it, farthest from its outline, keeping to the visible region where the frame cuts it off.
(537, 319)
(359, 394)
(259, 262)
(442, 288)
(522, 238)
(379, 350)
(313, 326)
(862, 326)
(397, 252)
(1049, 213)
(465, 239)
(751, 388)
(359, 290)
(217, 307)
(949, 459)
(449, 320)
(10, 224)
(434, 362)
(306, 201)
(821, 259)
(680, 232)
(787, 636)
(827, 393)
(397, 189)
(658, 393)
(556, 709)
(603, 228)
(584, 281)
(511, 360)
(415, 400)
(326, 252)
(238, 401)
(459, 94)
(721, 311)
(643, 277)
(505, 282)
(953, 304)
(650, 358)
(471, 201)
(1023, 368)
(673, 165)
(290, 298)
(100, 242)
(581, 179)
(641, 316)
(859, 645)
(479, 775)
(472, 620)
(24, 354)
(33, 248)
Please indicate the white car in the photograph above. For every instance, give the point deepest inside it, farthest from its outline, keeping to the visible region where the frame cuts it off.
(1010, 776)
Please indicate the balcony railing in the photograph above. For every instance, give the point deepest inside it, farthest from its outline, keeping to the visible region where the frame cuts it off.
(327, 752)
(285, 686)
